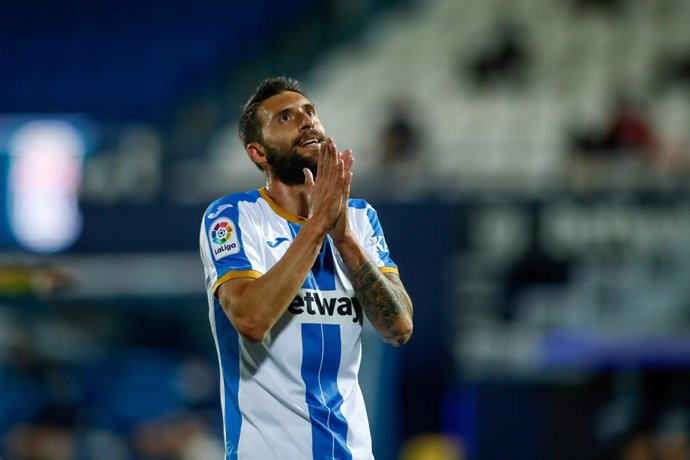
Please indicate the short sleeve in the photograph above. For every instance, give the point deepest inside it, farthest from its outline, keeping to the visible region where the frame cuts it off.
(371, 236)
(228, 245)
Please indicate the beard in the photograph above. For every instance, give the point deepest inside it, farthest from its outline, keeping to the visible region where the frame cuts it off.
(288, 163)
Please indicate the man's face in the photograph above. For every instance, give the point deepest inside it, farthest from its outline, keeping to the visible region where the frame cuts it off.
(292, 135)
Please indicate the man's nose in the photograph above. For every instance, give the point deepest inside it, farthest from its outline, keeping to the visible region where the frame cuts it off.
(305, 122)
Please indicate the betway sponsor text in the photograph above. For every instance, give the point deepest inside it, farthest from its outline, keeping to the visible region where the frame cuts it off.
(314, 303)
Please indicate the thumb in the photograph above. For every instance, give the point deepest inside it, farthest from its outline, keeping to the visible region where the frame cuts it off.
(308, 178)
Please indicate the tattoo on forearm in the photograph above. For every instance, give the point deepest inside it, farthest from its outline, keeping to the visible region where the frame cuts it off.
(382, 302)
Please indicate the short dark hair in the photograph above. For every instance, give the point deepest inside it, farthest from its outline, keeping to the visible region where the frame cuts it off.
(250, 130)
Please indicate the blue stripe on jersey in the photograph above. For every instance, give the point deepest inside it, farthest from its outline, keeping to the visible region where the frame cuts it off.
(324, 267)
(357, 203)
(309, 281)
(294, 228)
(385, 256)
(320, 363)
(322, 275)
(228, 345)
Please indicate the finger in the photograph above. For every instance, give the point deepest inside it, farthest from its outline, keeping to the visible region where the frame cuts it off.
(333, 148)
(332, 152)
(346, 186)
(308, 178)
(341, 170)
(328, 160)
(335, 159)
(348, 159)
(348, 180)
(319, 163)
(324, 159)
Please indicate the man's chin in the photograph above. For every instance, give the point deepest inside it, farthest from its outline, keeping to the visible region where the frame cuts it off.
(293, 177)
(308, 154)
(291, 171)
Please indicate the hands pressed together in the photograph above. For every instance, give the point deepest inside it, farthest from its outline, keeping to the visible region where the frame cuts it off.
(382, 296)
(330, 192)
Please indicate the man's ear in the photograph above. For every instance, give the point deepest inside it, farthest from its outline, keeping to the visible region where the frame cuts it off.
(257, 153)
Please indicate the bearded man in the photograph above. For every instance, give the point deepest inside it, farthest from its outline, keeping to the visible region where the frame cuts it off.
(291, 270)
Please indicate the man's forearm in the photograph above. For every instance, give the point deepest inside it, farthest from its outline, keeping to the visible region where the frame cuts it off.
(383, 298)
(256, 308)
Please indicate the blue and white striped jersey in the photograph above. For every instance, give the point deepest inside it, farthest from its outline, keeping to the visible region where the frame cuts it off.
(296, 394)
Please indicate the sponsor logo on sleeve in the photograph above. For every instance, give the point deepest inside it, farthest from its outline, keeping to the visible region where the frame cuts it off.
(219, 209)
(378, 244)
(223, 237)
(275, 243)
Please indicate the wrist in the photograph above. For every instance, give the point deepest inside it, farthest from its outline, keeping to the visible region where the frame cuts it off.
(346, 242)
(315, 227)
(351, 252)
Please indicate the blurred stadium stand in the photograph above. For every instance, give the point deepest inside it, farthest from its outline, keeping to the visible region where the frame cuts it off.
(543, 235)
(129, 60)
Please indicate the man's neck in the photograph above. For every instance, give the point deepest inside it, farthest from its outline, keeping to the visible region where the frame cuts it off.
(291, 198)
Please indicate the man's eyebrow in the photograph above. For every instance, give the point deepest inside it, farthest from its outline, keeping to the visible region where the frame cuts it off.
(278, 114)
(305, 106)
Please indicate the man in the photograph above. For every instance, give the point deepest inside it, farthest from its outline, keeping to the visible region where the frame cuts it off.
(290, 270)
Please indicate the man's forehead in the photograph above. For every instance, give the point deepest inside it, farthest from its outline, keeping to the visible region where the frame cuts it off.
(282, 101)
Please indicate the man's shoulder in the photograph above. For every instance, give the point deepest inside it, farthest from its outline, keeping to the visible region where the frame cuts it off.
(358, 203)
(217, 207)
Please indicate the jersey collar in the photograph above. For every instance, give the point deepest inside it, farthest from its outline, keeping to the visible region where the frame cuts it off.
(278, 210)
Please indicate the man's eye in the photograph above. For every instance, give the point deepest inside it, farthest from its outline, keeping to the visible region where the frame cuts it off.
(284, 117)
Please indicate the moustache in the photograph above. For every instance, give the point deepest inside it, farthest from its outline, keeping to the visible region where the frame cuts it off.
(308, 135)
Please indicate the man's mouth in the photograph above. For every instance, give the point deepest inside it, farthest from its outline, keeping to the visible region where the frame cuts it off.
(311, 140)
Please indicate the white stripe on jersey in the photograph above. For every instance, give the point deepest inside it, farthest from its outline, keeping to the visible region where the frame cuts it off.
(296, 394)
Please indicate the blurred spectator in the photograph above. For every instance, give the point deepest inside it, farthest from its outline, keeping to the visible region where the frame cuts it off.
(621, 152)
(629, 130)
(504, 61)
(400, 135)
(674, 70)
(400, 147)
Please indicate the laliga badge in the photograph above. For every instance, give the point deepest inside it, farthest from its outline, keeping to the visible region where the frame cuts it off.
(223, 237)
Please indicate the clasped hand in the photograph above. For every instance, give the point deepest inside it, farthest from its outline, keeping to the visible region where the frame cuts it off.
(328, 195)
